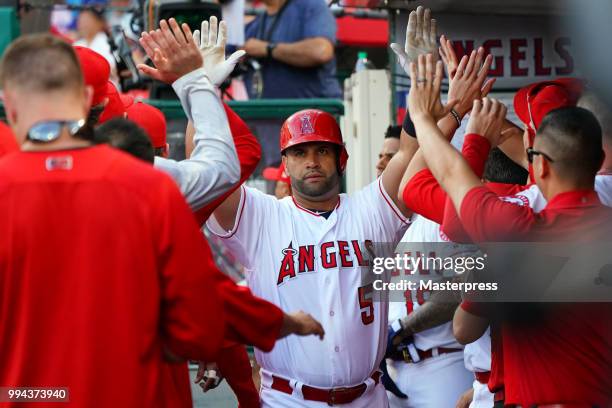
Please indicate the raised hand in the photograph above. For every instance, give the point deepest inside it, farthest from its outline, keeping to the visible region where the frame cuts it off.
(302, 324)
(487, 119)
(211, 42)
(449, 57)
(172, 50)
(470, 80)
(425, 82)
(421, 37)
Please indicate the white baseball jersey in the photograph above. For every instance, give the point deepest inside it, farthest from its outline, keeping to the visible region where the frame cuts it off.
(299, 260)
(423, 230)
(534, 198)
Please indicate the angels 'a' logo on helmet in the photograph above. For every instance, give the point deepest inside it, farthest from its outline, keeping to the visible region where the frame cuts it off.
(306, 125)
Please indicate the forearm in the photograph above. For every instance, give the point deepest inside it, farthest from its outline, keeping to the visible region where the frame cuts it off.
(434, 312)
(445, 162)
(307, 53)
(448, 126)
(513, 147)
(467, 327)
(213, 167)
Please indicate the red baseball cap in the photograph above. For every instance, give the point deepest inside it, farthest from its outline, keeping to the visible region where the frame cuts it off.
(276, 174)
(151, 119)
(96, 72)
(534, 101)
(127, 100)
(8, 143)
(114, 108)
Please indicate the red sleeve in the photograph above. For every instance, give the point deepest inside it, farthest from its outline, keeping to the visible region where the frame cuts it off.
(250, 320)
(451, 224)
(487, 218)
(192, 318)
(424, 196)
(476, 150)
(8, 143)
(249, 154)
(235, 366)
(201, 305)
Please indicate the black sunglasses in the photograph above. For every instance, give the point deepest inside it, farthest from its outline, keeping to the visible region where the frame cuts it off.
(532, 152)
(49, 130)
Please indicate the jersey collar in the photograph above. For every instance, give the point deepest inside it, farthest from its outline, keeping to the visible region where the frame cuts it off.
(312, 212)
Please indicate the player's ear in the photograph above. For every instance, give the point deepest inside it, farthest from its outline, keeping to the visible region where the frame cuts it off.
(284, 160)
(544, 169)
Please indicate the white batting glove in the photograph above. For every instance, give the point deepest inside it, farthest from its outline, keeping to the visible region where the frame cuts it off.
(211, 43)
(421, 38)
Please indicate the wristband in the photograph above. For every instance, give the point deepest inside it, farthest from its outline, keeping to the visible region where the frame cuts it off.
(456, 116)
(408, 126)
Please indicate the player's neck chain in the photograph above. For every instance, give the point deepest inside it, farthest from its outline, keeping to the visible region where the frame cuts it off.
(325, 214)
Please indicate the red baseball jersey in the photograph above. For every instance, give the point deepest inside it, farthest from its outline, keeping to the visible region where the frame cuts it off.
(8, 143)
(565, 354)
(102, 269)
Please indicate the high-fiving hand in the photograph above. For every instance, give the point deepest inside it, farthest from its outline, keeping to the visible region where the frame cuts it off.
(172, 50)
(486, 119)
(424, 98)
(421, 38)
(449, 57)
(211, 42)
(470, 80)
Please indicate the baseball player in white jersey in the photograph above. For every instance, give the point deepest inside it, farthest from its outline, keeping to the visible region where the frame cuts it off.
(435, 375)
(308, 251)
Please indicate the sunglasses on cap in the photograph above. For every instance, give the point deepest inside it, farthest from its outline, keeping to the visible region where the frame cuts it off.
(50, 130)
(532, 152)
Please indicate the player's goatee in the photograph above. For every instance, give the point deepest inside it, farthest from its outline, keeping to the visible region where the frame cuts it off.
(315, 190)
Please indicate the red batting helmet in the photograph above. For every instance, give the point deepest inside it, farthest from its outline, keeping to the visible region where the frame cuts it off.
(312, 125)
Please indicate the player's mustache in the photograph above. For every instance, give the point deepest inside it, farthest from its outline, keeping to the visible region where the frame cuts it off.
(313, 173)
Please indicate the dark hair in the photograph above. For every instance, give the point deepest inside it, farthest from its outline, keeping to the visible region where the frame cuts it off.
(499, 168)
(127, 136)
(40, 63)
(87, 132)
(572, 138)
(393, 131)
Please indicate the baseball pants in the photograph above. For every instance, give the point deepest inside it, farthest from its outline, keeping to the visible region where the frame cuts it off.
(436, 382)
(483, 398)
